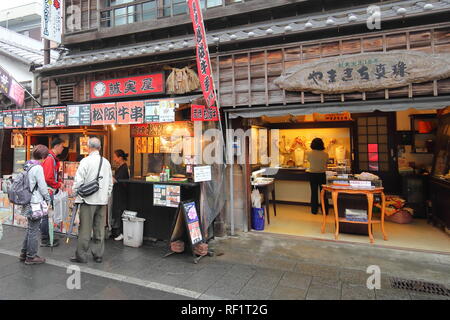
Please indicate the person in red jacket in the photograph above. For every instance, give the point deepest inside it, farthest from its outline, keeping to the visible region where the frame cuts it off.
(51, 169)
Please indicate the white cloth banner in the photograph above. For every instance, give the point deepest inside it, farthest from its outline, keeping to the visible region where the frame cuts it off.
(51, 20)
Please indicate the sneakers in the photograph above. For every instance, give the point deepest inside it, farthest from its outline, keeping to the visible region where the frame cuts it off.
(46, 243)
(35, 260)
(119, 238)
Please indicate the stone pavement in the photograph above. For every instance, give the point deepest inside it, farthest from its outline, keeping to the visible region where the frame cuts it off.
(257, 266)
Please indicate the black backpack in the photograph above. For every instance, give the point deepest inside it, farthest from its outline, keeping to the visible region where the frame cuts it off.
(20, 193)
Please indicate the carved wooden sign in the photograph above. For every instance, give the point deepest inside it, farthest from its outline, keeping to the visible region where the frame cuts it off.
(365, 72)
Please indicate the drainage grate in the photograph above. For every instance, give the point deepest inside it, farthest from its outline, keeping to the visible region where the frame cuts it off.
(420, 286)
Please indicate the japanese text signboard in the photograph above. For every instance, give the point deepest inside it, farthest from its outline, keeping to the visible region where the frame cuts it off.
(202, 113)
(130, 112)
(203, 61)
(103, 113)
(11, 88)
(38, 118)
(365, 72)
(131, 86)
(51, 20)
(8, 119)
(17, 118)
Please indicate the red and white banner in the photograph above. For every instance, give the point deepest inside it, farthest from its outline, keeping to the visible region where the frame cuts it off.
(203, 61)
(202, 113)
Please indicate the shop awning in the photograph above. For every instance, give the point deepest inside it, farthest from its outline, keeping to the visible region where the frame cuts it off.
(336, 107)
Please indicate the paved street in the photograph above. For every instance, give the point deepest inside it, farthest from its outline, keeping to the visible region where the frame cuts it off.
(252, 266)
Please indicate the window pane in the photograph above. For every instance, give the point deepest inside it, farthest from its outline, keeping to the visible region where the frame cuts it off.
(363, 156)
(149, 10)
(382, 148)
(372, 139)
(372, 130)
(362, 121)
(382, 138)
(372, 147)
(383, 157)
(120, 16)
(382, 130)
(179, 8)
(363, 165)
(384, 166)
(362, 130)
(372, 121)
(382, 121)
(214, 3)
(362, 139)
(362, 148)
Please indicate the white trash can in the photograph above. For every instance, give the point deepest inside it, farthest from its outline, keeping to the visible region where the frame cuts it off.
(133, 231)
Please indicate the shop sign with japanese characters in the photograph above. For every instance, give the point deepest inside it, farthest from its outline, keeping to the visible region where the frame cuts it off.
(131, 86)
(202, 113)
(130, 112)
(11, 88)
(365, 72)
(160, 111)
(51, 20)
(103, 113)
(203, 61)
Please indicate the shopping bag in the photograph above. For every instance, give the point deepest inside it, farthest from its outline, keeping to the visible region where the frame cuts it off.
(60, 206)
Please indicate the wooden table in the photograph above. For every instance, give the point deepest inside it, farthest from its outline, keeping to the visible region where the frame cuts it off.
(267, 189)
(369, 194)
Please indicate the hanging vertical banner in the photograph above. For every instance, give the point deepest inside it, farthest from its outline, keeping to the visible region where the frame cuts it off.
(17, 119)
(28, 118)
(103, 113)
(51, 20)
(11, 88)
(1, 119)
(130, 112)
(203, 61)
(55, 116)
(38, 116)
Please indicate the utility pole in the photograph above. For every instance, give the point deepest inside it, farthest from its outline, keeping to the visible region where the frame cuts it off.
(46, 51)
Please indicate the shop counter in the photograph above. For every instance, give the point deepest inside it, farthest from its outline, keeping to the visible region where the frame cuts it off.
(158, 219)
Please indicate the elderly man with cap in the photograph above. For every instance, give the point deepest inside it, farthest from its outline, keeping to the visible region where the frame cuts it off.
(92, 207)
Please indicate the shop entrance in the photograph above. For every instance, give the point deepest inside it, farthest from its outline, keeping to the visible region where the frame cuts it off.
(366, 143)
(375, 147)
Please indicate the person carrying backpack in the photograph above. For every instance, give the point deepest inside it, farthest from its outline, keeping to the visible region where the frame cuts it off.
(51, 166)
(37, 208)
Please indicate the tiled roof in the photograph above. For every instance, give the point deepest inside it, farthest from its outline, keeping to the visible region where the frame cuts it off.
(22, 48)
(356, 16)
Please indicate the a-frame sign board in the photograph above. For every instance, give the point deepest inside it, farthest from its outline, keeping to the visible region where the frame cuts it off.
(186, 227)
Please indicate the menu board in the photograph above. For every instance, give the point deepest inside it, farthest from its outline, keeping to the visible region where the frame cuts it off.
(192, 221)
(8, 119)
(151, 111)
(56, 116)
(159, 111)
(28, 118)
(79, 115)
(38, 116)
(166, 195)
(17, 119)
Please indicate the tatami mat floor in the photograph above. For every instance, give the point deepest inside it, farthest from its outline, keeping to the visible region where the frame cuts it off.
(298, 221)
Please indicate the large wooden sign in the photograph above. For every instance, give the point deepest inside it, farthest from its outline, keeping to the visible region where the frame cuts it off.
(365, 72)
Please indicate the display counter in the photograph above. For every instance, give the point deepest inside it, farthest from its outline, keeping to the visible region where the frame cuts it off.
(158, 215)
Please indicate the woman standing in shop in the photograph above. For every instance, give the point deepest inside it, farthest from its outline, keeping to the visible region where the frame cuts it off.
(119, 192)
(318, 160)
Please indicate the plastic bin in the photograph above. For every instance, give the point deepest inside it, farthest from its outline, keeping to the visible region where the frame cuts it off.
(258, 219)
(133, 231)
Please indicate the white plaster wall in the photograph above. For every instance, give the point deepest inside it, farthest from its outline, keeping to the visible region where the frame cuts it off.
(20, 71)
